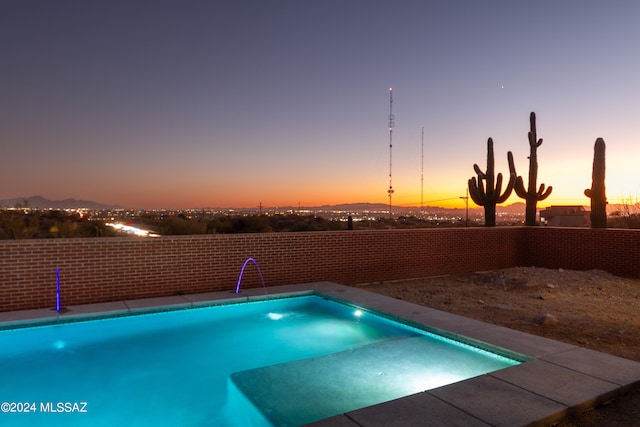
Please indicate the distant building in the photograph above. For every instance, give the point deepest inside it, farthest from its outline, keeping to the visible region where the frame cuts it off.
(565, 216)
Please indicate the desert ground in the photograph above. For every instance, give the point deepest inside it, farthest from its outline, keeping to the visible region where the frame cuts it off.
(591, 309)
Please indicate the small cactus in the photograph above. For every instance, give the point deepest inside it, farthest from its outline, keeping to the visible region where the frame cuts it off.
(597, 192)
(489, 195)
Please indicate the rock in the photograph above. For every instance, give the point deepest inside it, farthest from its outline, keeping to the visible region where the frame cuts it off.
(551, 286)
(499, 306)
(547, 319)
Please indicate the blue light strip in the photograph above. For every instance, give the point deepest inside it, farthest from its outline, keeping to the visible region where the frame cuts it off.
(58, 290)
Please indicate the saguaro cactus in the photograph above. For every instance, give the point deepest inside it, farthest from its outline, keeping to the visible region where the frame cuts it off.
(488, 195)
(597, 192)
(532, 195)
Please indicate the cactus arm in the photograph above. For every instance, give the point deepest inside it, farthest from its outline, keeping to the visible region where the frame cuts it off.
(481, 174)
(498, 187)
(507, 191)
(481, 189)
(542, 194)
(512, 176)
(533, 133)
(474, 192)
(482, 194)
(512, 165)
(519, 188)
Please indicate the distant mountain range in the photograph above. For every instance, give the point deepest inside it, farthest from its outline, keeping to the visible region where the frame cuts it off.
(517, 207)
(39, 202)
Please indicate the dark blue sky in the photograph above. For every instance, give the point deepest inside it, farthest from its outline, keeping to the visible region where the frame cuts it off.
(233, 103)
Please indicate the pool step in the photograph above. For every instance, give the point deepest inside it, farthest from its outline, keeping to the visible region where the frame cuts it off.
(307, 390)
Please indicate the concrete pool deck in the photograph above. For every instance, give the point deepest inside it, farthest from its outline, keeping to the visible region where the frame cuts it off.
(556, 380)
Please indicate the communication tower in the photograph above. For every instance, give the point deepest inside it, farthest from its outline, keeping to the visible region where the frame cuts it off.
(391, 125)
(422, 175)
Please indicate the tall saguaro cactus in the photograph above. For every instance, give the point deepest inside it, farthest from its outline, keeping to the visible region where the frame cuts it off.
(597, 192)
(485, 191)
(532, 195)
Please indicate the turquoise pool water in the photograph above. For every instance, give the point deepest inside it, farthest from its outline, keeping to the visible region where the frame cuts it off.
(276, 362)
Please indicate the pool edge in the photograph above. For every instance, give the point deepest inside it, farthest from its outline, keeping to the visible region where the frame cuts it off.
(527, 394)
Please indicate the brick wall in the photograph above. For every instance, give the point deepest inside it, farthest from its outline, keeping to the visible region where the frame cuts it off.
(110, 269)
(614, 250)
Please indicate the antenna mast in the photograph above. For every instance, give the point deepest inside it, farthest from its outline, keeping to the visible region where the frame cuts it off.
(391, 125)
(422, 175)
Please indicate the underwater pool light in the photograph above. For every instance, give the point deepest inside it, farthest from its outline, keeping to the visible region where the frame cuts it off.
(275, 316)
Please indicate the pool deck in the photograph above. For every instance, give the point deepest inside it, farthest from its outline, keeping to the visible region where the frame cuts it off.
(557, 379)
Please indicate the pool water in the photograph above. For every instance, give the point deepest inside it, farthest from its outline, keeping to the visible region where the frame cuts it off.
(287, 361)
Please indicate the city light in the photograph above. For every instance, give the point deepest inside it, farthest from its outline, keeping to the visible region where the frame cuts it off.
(130, 229)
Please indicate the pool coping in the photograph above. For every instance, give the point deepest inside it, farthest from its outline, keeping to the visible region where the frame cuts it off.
(557, 380)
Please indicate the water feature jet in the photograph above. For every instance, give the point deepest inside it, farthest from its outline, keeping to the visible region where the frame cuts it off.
(58, 290)
(247, 261)
(58, 308)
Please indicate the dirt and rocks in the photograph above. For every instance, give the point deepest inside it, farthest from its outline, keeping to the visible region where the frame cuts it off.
(591, 309)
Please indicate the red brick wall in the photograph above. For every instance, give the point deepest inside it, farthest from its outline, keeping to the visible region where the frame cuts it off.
(614, 250)
(110, 269)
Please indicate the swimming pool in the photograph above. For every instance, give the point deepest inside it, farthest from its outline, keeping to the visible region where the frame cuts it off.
(281, 361)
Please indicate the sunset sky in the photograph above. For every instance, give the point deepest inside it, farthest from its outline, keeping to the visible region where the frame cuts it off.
(232, 103)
